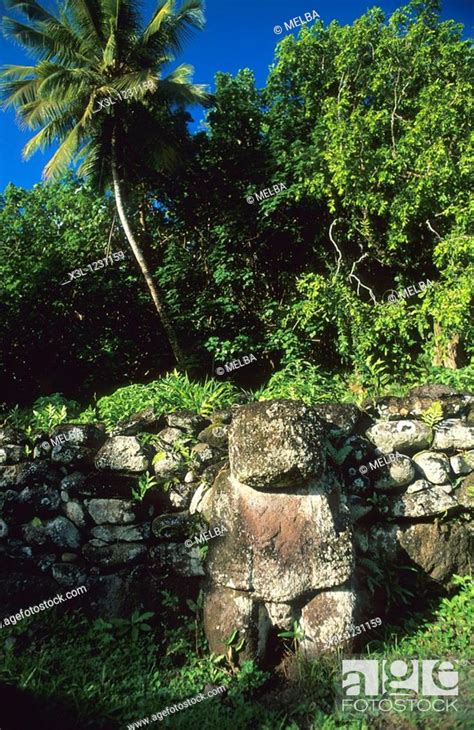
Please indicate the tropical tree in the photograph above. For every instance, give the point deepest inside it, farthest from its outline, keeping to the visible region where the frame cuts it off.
(98, 89)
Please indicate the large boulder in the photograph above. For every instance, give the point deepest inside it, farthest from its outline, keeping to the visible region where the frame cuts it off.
(276, 444)
(441, 550)
(279, 546)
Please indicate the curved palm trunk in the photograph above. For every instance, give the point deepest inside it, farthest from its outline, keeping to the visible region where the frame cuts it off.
(135, 246)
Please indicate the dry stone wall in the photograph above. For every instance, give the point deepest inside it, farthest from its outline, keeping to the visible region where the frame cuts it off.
(306, 496)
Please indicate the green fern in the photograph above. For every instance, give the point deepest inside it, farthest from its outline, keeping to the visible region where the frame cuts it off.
(433, 414)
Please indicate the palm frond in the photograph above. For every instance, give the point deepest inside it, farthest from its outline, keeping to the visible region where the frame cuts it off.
(31, 9)
(17, 93)
(43, 138)
(163, 12)
(177, 87)
(180, 27)
(62, 158)
(86, 17)
(110, 50)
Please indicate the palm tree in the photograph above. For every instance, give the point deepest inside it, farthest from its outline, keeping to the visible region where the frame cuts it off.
(97, 84)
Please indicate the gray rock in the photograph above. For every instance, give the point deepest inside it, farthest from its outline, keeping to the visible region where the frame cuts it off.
(72, 455)
(72, 483)
(75, 512)
(462, 463)
(11, 436)
(418, 486)
(341, 418)
(124, 533)
(215, 436)
(434, 467)
(63, 533)
(34, 533)
(222, 417)
(327, 619)
(121, 553)
(276, 444)
(11, 454)
(420, 399)
(147, 420)
(198, 500)
(176, 558)
(28, 473)
(204, 454)
(400, 435)
(427, 503)
(181, 494)
(398, 473)
(463, 493)
(281, 615)
(170, 436)
(60, 532)
(3, 529)
(44, 562)
(440, 549)
(114, 511)
(459, 436)
(69, 557)
(87, 434)
(187, 421)
(172, 526)
(40, 501)
(122, 453)
(168, 465)
(69, 576)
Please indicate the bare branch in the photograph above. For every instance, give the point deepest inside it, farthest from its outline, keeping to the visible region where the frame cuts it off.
(356, 278)
(335, 245)
(428, 223)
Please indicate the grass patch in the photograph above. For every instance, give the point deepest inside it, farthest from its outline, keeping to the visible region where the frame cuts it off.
(111, 678)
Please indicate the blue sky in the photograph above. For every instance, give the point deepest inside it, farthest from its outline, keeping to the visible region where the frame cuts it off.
(238, 34)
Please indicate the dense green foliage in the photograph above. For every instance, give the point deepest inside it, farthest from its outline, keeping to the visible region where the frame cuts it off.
(114, 673)
(368, 128)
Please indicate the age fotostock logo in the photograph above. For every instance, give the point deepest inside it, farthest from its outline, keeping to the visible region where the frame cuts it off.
(399, 685)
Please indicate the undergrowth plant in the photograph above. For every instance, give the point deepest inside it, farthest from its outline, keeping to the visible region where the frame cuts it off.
(173, 392)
